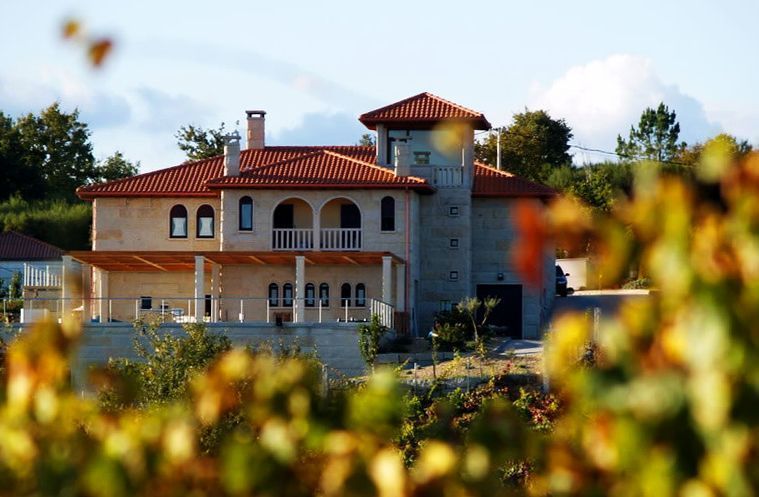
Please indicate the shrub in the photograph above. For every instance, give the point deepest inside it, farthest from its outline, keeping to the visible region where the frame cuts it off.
(639, 284)
(369, 336)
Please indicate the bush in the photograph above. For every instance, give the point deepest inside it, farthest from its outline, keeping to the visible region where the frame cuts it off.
(369, 336)
(65, 225)
(639, 284)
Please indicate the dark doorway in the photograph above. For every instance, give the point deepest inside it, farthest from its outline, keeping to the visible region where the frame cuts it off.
(507, 314)
(284, 217)
(350, 216)
(208, 306)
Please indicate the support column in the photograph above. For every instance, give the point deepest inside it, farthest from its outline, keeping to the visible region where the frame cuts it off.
(215, 291)
(387, 279)
(400, 288)
(86, 293)
(300, 288)
(103, 295)
(200, 288)
(68, 285)
(317, 224)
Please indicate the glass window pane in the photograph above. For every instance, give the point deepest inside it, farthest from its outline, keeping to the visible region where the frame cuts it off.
(205, 227)
(246, 216)
(179, 226)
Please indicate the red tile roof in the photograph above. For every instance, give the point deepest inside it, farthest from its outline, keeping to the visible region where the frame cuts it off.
(321, 169)
(189, 179)
(423, 108)
(16, 246)
(490, 182)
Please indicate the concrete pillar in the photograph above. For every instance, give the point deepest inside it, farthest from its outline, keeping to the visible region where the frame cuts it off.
(215, 291)
(467, 158)
(387, 279)
(200, 288)
(300, 289)
(400, 287)
(68, 285)
(382, 158)
(317, 224)
(86, 293)
(103, 295)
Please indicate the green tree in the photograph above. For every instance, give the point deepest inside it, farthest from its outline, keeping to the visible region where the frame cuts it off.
(198, 143)
(19, 177)
(115, 167)
(367, 140)
(594, 187)
(533, 145)
(57, 145)
(655, 138)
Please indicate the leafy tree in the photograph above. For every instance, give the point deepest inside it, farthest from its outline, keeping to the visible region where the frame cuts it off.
(115, 167)
(19, 177)
(14, 287)
(532, 146)
(367, 140)
(655, 138)
(198, 143)
(594, 188)
(57, 145)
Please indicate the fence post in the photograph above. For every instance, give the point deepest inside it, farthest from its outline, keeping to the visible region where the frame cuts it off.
(136, 309)
(346, 310)
(267, 311)
(110, 310)
(320, 309)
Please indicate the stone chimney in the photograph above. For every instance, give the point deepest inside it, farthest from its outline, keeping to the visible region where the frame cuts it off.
(402, 159)
(232, 154)
(256, 128)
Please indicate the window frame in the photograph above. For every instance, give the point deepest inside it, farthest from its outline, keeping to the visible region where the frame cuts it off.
(244, 201)
(324, 294)
(198, 217)
(146, 299)
(310, 295)
(273, 297)
(172, 216)
(287, 301)
(390, 205)
(360, 300)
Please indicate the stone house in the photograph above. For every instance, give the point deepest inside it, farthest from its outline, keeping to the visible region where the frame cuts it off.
(317, 234)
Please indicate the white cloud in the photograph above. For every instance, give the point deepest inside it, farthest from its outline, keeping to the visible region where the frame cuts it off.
(603, 98)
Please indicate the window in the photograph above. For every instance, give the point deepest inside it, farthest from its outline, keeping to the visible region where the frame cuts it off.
(324, 294)
(205, 222)
(345, 295)
(287, 295)
(246, 214)
(445, 305)
(421, 158)
(310, 295)
(178, 222)
(453, 243)
(146, 303)
(453, 276)
(273, 295)
(360, 295)
(453, 211)
(387, 207)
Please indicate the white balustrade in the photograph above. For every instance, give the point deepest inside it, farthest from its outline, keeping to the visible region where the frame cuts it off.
(292, 239)
(449, 176)
(49, 275)
(340, 239)
(384, 310)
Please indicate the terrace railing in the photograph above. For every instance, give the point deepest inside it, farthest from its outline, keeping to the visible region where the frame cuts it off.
(292, 239)
(340, 239)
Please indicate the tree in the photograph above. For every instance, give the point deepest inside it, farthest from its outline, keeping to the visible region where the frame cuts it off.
(115, 167)
(57, 145)
(367, 140)
(19, 178)
(198, 143)
(532, 146)
(655, 138)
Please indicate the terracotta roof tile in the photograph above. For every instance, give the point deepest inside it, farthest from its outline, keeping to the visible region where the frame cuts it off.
(426, 108)
(189, 179)
(321, 169)
(16, 246)
(490, 182)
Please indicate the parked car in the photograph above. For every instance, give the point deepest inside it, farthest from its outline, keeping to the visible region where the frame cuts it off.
(561, 281)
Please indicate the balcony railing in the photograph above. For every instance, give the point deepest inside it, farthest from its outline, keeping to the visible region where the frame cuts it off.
(49, 275)
(329, 239)
(340, 239)
(292, 239)
(449, 176)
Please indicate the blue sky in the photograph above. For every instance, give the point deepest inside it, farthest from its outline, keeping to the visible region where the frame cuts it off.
(314, 66)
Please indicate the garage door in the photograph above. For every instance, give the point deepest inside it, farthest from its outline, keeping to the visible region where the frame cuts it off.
(509, 312)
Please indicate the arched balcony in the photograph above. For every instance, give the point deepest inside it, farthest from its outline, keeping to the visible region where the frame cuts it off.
(292, 225)
(340, 225)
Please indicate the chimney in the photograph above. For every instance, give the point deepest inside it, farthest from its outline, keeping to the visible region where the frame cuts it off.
(256, 128)
(232, 154)
(402, 159)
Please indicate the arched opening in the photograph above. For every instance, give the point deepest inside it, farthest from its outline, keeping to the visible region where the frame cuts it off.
(340, 222)
(204, 226)
(324, 294)
(287, 295)
(292, 225)
(310, 295)
(345, 295)
(360, 295)
(178, 222)
(273, 295)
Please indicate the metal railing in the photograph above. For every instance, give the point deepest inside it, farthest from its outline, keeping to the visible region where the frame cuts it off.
(340, 239)
(449, 176)
(292, 239)
(212, 310)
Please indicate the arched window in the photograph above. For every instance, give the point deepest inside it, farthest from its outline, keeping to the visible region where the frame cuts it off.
(204, 226)
(360, 295)
(273, 295)
(387, 208)
(345, 295)
(178, 222)
(324, 294)
(287, 295)
(310, 295)
(246, 214)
